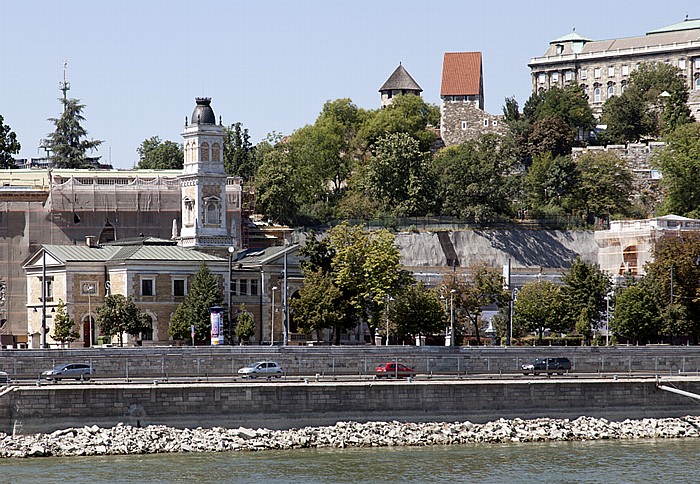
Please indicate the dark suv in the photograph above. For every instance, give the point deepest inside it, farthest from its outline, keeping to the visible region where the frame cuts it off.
(548, 366)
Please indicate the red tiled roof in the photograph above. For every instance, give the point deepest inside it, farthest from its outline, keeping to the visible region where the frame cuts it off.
(461, 74)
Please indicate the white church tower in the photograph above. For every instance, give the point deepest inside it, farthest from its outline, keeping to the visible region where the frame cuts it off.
(203, 182)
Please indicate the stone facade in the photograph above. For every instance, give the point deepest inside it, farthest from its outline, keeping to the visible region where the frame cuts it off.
(463, 121)
(602, 68)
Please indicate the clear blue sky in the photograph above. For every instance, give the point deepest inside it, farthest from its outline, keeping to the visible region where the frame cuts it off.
(138, 65)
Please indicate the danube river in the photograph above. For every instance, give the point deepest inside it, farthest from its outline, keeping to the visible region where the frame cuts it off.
(641, 461)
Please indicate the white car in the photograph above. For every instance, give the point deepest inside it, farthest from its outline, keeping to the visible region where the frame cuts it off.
(262, 368)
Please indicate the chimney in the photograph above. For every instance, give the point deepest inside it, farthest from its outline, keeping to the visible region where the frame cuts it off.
(91, 241)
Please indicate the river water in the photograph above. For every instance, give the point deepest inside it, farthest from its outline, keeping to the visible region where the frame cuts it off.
(641, 461)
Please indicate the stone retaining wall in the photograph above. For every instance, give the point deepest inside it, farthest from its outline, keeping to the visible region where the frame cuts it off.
(280, 405)
(162, 362)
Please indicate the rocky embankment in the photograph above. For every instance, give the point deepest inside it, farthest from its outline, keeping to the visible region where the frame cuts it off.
(124, 439)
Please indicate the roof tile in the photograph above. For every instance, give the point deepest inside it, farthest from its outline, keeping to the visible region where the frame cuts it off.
(461, 74)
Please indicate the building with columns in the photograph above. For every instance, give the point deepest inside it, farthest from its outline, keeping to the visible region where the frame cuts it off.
(602, 67)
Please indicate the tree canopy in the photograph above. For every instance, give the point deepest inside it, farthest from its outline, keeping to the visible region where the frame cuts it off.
(539, 306)
(584, 292)
(240, 156)
(68, 144)
(119, 315)
(9, 145)
(205, 291)
(679, 161)
(155, 154)
(653, 103)
(64, 326)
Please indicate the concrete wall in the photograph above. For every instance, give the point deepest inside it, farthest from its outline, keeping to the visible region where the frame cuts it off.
(288, 405)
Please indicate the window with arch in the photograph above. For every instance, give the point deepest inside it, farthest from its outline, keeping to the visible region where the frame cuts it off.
(212, 210)
(596, 94)
(611, 91)
(204, 152)
(147, 335)
(215, 152)
(188, 215)
(697, 83)
(623, 87)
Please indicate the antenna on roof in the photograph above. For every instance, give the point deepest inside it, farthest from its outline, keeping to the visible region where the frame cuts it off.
(686, 17)
(573, 29)
(65, 85)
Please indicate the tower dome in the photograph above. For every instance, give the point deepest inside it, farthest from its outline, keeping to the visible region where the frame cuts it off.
(203, 113)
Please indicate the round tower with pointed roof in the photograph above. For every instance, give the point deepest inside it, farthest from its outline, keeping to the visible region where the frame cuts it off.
(399, 82)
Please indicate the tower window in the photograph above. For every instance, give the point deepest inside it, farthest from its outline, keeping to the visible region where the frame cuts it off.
(212, 211)
(464, 125)
(204, 152)
(215, 152)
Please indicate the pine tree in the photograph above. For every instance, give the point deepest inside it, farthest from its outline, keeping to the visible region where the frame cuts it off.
(68, 144)
(205, 292)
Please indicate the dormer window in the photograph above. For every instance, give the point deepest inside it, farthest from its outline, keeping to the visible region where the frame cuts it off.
(560, 49)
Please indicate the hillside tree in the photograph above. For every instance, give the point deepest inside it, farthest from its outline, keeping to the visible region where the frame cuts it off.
(155, 154)
(9, 145)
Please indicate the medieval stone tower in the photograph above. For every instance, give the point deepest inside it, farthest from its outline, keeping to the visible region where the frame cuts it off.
(203, 182)
(399, 82)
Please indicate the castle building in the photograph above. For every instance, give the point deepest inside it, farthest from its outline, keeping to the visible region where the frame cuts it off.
(603, 67)
(399, 82)
(462, 100)
(64, 207)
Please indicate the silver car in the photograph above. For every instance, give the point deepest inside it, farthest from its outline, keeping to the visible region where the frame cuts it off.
(79, 371)
(262, 368)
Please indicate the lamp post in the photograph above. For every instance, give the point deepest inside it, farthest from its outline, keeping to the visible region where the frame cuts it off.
(272, 318)
(231, 249)
(89, 289)
(452, 317)
(285, 289)
(388, 299)
(43, 300)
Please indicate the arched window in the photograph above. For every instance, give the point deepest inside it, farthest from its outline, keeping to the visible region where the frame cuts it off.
(596, 94)
(147, 335)
(697, 83)
(623, 87)
(215, 152)
(204, 152)
(188, 216)
(212, 211)
(611, 91)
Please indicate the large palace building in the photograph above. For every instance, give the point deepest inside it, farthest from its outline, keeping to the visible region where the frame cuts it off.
(603, 67)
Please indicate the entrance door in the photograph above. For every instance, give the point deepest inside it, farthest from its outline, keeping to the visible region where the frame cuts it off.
(86, 332)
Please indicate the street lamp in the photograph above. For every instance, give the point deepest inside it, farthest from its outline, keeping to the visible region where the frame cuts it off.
(43, 300)
(452, 317)
(231, 249)
(388, 299)
(89, 289)
(272, 318)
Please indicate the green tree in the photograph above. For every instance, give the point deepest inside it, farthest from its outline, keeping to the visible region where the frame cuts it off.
(398, 178)
(476, 179)
(605, 186)
(9, 145)
(549, 182)
(64, 326)
(367, 269)
(636, 315)
(155, 154)
(321, 306)
(583, 294)
(406, 114)
(539, 306)
(653, 103)
(68, 144)
(674, 274)
(239, 154)
(569, 104)
(482, 286)
(276, 186)
(119, 315)
(245, 325)
(550, 134)
(417, 311)
(205, 291)
(679, 161)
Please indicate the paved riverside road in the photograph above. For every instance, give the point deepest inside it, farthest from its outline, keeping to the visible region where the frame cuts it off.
(519, 377)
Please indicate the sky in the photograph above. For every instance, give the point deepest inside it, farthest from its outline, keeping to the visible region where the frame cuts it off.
(270, 64)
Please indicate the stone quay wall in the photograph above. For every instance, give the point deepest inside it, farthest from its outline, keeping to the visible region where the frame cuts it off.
(294, 404)
(203, 362)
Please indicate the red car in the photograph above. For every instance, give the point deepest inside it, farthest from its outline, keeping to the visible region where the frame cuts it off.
(392, 369)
